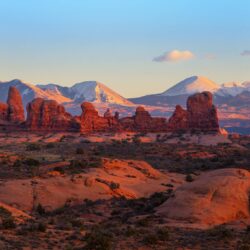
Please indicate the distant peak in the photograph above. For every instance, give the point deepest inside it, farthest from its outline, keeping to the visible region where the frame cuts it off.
(192, 85)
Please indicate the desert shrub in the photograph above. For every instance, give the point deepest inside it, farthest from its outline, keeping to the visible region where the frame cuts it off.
(8, 223)
(131, 231)
(143, 222)
(189, 178)
(243, 246)
(31, 162)
(17, 163)
(163, 234)
(50, 145)
(42, 227)
(79, 151)
(98, 239)
(59, 169)
(33, 147)
(76, 223)
(220, 232)
(32, 226)
(40, 209)
(114, 185)
(150, 239)
(4, 213)
(136, 140)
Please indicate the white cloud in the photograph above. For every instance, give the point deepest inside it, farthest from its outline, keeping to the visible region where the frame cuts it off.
(245, 53)
(174, 56)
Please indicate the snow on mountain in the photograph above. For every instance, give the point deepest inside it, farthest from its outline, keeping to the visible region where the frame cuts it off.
(192, 85)
(231, 89)
(70, 97)
(29, 92)
(93, 91)
(90, 91)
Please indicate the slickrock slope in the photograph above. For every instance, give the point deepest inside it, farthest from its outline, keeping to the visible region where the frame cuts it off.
(15, 106)
(48, 115)
(214, 198)
(115, 178)
(18, 215)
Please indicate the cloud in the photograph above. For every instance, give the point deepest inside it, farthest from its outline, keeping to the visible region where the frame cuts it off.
(245, 53)
(174, 56)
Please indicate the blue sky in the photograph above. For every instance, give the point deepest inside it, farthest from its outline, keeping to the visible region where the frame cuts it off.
(116, 42)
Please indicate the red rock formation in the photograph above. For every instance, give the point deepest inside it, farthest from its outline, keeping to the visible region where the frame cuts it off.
(48, 115)
(15, 106)
(179, 119)
(202, 114)
(92, 122)
(3, 111)
(143, 122)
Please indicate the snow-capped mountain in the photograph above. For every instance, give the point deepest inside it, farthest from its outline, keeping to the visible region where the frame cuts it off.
(29, 92)
(93, 91)
(192, 85)
(71, 97)
(232, 94)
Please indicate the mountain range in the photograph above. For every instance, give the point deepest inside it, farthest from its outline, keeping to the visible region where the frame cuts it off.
(232, 98)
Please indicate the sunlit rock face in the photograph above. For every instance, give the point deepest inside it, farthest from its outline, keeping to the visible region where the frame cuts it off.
(48, 115)
(3, 111)
(179, 119)
(213, 198)
(91, 121)
(202, 114)
(142, 121)
(15, 106)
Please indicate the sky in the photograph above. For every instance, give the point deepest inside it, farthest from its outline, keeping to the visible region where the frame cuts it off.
(135, 47)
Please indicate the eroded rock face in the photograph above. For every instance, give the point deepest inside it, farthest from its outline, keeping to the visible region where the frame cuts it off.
(202, 114)
(92, 122)
(179, 119)
(48, 115)
(3, 111)
(15, 106)
(214, 198)
(143, 122)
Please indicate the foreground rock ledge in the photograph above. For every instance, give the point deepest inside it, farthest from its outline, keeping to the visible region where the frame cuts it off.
(214, 198)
